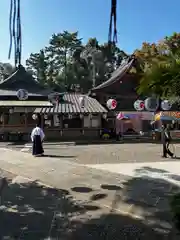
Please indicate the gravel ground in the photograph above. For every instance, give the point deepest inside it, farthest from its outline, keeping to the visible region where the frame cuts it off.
(104, 153)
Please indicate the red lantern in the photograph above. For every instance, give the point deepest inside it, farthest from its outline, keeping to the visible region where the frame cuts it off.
(142, 105)
(139, 105)
(111, 104)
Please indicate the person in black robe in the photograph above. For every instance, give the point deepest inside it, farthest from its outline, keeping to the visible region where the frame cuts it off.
(166, 139)
(37, 137)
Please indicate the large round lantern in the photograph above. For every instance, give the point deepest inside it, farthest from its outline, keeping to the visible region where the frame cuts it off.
(166, 105)
(139, 105)
(151, 104)
(22, 94)
(111, 104)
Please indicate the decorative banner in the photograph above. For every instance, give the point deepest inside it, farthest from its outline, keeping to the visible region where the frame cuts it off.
(83, 101)
(139, 105)
(122, 116)
(22, 94)
(169, 116)
(151, 104)
(166, 105)
(111, 104)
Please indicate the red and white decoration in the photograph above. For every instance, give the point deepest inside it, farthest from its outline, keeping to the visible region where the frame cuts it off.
(120, 116)
(166, 105)
(139, 105)
(111, 104)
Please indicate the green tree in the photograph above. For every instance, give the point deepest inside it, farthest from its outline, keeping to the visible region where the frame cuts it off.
(37, 64)
(161, 74)
(66, 62)
(6, 69)
(60, 50)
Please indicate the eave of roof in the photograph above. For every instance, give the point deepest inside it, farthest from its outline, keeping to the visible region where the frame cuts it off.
(18, 103)
(21, 79)
(116, 76)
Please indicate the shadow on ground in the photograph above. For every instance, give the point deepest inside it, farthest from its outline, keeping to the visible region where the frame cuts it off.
(149, 196)
(116, 227)
(57, 156)
(32, 211)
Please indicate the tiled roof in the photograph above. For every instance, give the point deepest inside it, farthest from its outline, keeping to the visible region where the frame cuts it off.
(72, 104)
(117, 75)
(22, 79)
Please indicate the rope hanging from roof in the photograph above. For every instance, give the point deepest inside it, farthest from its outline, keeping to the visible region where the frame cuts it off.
(15, 31)
(112, 36)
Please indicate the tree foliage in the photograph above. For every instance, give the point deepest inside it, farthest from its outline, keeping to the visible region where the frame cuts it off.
(68, 62)
(6, 69)
(159, 70)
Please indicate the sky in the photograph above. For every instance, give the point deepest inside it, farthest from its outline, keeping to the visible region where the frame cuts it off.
(137, 21)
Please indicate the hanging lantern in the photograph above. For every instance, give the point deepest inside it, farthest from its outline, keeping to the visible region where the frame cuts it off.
(45, 116)
(111, 104)
(166, 105)
(81, 116)
(83, 101)
(34, 116)
(151, 104)
(139, 105)
(69, 116)
(11, 110)
(104, 115)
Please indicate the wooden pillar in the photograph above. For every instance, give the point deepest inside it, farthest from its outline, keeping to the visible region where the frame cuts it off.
(3, 116)
(61, 121)
(25, 120)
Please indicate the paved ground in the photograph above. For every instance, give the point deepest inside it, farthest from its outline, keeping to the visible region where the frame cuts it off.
(100, 154)
(119, 206)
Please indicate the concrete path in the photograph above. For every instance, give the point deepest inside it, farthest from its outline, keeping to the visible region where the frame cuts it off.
(168, 170)
(143, 199)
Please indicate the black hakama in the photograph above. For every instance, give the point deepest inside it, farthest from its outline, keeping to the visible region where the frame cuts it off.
(37, 149)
